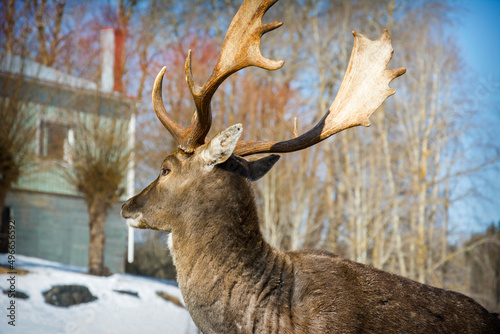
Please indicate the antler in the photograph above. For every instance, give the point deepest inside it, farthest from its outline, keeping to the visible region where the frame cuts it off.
(364, 88)
(241, 48)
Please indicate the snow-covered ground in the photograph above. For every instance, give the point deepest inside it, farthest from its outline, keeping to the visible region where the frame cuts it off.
(112, 313)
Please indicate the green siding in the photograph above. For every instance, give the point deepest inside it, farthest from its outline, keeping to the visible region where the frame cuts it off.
(46, 176)
(55, 228)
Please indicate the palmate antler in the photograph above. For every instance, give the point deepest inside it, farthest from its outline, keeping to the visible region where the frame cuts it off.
(364, 88)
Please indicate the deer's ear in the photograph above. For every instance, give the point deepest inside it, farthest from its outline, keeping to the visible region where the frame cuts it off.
(259, 168)
(220, 148)
(251, 169)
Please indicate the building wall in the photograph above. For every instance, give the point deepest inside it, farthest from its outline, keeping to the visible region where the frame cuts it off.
(55, 227)
(51, 215)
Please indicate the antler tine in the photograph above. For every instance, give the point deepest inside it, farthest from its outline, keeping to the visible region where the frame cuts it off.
(240, 49)
(364, 88)
(176, 130)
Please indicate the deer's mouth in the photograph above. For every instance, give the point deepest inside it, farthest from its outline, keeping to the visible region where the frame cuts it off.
(137, 221)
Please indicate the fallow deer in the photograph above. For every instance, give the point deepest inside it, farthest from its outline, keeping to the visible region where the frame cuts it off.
(231, 279)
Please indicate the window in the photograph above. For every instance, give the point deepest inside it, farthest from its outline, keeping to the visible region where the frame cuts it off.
(53, 140)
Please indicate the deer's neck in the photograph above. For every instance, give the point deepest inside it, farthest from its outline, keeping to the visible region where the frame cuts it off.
(227, 238)
(225, 266)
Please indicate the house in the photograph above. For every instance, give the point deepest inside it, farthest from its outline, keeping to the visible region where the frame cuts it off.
(50, 214)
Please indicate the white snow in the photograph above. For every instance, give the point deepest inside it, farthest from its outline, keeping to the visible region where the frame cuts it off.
(112, 313)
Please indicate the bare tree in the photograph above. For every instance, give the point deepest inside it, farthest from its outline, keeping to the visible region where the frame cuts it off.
(18, 129)
(18, 125)
(48, 27)
(483, 264)
(100, 158)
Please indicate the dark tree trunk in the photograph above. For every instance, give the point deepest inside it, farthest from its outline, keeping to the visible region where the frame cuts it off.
(9, 174)
(97, 215)
(3, 195)
(3, 224)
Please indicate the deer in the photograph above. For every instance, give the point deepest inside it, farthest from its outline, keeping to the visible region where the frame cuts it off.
(231, 279)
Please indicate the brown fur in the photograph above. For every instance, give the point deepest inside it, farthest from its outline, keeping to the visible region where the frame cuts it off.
(233, 281)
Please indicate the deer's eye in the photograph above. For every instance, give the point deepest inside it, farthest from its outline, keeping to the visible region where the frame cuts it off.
(164, 171)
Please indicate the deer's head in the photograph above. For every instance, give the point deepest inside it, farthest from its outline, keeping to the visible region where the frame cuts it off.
(200, 179)
(207, 171)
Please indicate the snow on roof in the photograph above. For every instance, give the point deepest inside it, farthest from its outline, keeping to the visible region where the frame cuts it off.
(31, 69)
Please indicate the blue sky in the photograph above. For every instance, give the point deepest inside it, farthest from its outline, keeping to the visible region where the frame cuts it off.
(479, 40)
(480, 36)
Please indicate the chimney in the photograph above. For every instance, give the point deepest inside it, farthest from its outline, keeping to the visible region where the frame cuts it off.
(111, 60)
